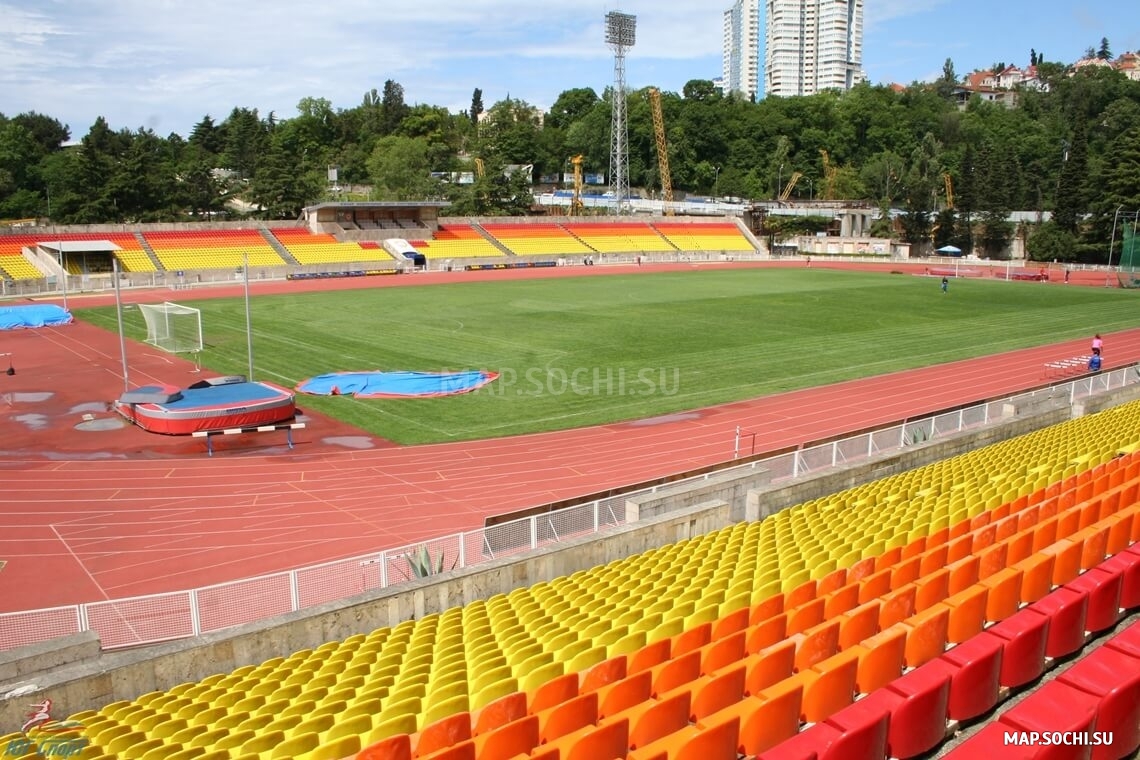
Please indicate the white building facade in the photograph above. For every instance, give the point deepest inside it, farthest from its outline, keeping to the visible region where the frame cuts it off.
(741, 72)
(812, 46)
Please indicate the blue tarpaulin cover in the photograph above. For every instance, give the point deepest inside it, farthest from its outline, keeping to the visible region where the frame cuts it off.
(395, 384)
(35, 315)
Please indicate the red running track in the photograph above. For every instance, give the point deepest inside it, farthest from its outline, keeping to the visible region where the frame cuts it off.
(87, 516)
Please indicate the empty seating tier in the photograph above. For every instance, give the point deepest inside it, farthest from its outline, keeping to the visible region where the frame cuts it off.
(309, 248)
(131, 255)
(212, 249)
(722, 644)
(704, 236)
(540, 238)
(620, 237)
(456, 241)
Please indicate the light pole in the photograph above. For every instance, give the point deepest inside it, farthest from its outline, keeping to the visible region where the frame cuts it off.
(716, 181)
(811, 190)
(779, 180)
(1111, 243)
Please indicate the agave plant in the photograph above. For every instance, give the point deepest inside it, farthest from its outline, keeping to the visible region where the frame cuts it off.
(423, 564)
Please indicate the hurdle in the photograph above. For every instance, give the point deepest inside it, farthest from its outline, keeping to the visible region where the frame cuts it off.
(209, 434)
(1075, 365)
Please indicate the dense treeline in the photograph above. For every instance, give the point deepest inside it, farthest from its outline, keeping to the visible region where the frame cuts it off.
(1073, 150)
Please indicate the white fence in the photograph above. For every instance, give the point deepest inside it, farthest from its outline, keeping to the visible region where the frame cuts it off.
(182, 614)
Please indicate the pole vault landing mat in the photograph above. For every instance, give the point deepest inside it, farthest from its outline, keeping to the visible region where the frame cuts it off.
(33, 315)
(396, 384)
(218, 403)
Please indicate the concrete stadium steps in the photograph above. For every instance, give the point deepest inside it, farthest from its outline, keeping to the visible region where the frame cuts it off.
(145, 247)
(744, 633)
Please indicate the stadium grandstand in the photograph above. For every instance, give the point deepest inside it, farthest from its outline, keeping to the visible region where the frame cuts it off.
(860, 624)
(340, 236)
(458, 241)
(179, 250)
(322, 248)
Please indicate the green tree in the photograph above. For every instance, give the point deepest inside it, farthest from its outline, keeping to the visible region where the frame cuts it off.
(1070, 203)
(394, 109)
(1104, 52)
(1049, 242)
(401, 169)
(283, 186)
(945, 84)
(571, 106)
(476, 106)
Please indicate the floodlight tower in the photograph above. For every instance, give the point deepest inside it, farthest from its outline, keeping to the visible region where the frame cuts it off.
(620, 35)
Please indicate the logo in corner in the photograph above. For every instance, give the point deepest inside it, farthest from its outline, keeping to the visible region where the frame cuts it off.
(46, 736)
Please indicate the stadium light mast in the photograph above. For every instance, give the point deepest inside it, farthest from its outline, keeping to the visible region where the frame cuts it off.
(621, 33)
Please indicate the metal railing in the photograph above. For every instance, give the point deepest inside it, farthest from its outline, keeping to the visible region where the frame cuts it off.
(181, 614)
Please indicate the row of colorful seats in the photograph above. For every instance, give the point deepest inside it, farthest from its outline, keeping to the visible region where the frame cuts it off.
(620, 237)
(711, 236)
(540, 238)
(16, 267)
(175, 259)
(1095, 703)
(747, 684)
(321, 248)
(401, 680)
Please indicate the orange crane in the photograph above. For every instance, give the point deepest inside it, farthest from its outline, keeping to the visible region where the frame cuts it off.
(662, 150)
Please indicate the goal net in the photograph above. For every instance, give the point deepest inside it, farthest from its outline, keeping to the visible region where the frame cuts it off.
(173, 327)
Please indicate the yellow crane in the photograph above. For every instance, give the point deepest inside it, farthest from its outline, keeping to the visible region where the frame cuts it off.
(829, 174)
(949, 184)
(576, 201)
(479, 168)
(788, 188)
(662, 150)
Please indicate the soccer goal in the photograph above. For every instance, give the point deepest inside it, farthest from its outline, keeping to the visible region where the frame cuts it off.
(173, 327)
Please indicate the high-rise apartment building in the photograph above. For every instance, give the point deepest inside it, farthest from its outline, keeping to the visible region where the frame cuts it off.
(741, 65)
(812, 45)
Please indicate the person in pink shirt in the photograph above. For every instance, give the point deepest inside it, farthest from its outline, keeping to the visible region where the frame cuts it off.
(1097, 344)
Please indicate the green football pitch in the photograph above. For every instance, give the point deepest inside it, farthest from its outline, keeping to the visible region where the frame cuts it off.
(579, 351)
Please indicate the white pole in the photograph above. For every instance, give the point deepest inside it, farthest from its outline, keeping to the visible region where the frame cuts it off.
(1111, 243)
(736, 444)
(62, 269)
(248, 320)
(119, 316)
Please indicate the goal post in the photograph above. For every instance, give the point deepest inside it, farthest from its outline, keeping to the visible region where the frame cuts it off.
(173, 327)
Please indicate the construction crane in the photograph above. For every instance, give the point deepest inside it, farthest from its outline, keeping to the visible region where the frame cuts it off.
(479, 168)
(949, 184)
(829, 175)
(788, 188)
(662, 150)
(576, 201)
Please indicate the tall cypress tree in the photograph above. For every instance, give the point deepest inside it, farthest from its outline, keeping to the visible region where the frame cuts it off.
(1070, 202)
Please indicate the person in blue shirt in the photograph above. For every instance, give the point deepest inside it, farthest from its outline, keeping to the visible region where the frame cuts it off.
(1094, 362)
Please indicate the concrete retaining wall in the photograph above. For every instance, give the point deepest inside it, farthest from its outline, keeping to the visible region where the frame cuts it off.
(731, 488)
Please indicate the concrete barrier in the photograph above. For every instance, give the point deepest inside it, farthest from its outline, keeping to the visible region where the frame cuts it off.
(731, 488)
(47, 655)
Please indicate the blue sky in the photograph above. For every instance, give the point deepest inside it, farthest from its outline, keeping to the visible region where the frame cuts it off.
(164, 64)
